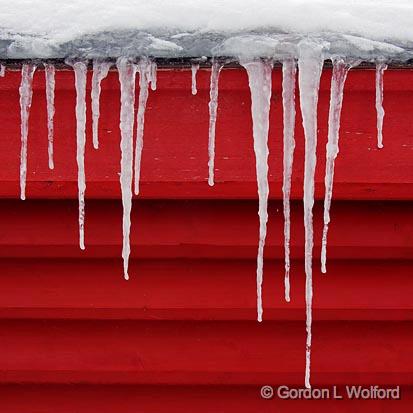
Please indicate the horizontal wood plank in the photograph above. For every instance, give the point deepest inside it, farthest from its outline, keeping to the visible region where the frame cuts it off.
(189, 352)
(174, 162)
(201, 229)
(177, 399)
(201, 290)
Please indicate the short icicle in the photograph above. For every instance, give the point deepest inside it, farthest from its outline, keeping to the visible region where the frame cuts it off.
(288, 94)
(145, 71)
(26, 94)
(2, 70)
(310, 64)
(213, 108)
(49, 71)
(259, 77)
(338, 79)
(100, 71)
(153, 75)
(194, 71)
(127, 73)
(380, 68)
(80, 70)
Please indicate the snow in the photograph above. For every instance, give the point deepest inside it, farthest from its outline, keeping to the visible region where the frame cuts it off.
(49, 71)
(100, 71)
(26, 94)
(380, 68)
(259, 78)
(288, 94)
(127, 72)
(310, 64)
(79, 28)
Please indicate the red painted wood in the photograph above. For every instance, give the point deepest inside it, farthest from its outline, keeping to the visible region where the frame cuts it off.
(193, 353)
(181, 335)
(176, 399)
(200, 229)
(174, 162)
(201, 290)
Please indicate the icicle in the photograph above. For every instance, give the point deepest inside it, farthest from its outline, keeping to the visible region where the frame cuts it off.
(338, 78)
(289, 75)
(26, 93)
(194, 70)
(2, 70)
(144, 69)
(259, 77)
(310, 64)
(100, 71)
(127, 73)
(80, 70)
(213, 107)
(380, 68)
(49, 71)
(153, 75)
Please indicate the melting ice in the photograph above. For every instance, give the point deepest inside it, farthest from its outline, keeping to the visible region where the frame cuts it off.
(49, 71)
(259, 78)
(310, 64)
(146, 74)
(26, 94)
(380, 68)
(100, 71)
(127, 73)
(80, 70)
(310, 61)
(288, 94)
(153, 75)
(338, 78)
(194, 71)
(213, 107)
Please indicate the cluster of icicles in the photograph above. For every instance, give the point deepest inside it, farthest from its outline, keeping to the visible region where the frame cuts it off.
(310, 63)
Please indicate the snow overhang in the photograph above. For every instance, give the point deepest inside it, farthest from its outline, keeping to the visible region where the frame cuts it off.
(277, 46)
(366, 30)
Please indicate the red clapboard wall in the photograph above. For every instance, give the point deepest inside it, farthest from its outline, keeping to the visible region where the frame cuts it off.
(181, 335)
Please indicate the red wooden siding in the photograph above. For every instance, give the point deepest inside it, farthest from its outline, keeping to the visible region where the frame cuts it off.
(174, 162)
(181, 335)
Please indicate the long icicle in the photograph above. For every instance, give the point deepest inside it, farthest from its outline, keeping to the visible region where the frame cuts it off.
(145, 75)
(194, 71)
(310, 64)
(49, 71)
(213, 107)
(259, 77)
(26, 94)
(380, 68)
(288, 94)
(80, 70)
(100, 71)
(338, 79)
(127, 74)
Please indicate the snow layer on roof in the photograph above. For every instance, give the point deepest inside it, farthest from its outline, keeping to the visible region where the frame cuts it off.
(178, 28)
